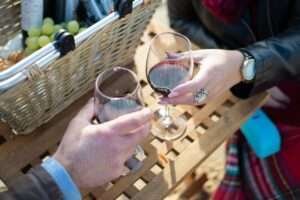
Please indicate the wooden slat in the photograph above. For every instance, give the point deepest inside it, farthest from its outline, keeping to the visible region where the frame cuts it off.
(131, 191)
(194, 187)
(16, 153)
(199, 150)
(123, 183)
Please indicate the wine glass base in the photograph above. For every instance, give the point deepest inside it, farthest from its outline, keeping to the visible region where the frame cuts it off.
(170, 132)
(135, 163)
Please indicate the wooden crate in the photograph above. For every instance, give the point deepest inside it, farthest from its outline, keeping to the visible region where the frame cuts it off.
(166, 164)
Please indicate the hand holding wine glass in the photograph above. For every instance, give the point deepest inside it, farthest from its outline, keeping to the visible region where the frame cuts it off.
(118, 92)
(165, 72)
(220, 70)
(100, 150)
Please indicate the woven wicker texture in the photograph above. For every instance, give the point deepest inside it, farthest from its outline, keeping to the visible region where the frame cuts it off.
(9, 19)
(46, 93)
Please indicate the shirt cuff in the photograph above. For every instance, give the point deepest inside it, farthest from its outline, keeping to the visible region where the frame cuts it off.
(62, 179)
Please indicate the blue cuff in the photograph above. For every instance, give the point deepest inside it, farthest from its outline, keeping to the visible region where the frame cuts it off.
(62, 179)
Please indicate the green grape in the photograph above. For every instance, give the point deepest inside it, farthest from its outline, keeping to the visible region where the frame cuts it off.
(52, 37)
(47, 29)
(32, 43)
(73, 27)
(34, 32)
(82, 29)
(57, 27)
(28, 51)
(44, 40)
(48, 20)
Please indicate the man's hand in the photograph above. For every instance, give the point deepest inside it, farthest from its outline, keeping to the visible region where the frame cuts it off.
(95, 154)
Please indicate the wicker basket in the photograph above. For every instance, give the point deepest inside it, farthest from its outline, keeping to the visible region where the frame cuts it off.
(47, 92)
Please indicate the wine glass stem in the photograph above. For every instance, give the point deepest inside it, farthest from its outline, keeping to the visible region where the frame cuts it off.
(167, 120)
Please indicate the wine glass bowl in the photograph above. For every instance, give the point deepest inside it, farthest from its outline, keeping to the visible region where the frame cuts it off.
(117, 92)
(167, 68)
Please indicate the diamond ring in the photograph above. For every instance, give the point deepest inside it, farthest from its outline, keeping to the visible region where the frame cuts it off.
(200, 96)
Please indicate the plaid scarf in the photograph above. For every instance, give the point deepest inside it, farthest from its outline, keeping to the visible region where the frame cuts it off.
(248, 177)
(276, 177)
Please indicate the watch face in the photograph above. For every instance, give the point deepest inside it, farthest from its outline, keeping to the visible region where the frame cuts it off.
(248, 70)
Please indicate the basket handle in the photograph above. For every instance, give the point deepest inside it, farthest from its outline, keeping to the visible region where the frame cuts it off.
(64, 42)
(124, 7)
(34, 72)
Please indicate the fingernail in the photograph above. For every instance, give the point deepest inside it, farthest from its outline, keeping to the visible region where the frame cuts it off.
(173, 94)
(172, 55)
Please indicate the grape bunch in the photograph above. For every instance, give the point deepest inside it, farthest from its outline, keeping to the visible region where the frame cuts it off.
(39, 37)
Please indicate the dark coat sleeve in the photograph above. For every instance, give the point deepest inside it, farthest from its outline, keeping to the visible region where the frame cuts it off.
(277, 58)
(183, 19)
(35, 185)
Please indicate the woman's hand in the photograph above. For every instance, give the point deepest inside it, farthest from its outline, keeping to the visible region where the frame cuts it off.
(219, 71)
(277, 99)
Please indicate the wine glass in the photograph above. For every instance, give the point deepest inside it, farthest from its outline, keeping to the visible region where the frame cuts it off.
(166, 69)
(118, 92)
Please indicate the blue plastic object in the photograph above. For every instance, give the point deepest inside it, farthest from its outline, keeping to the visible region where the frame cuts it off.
(261, 134)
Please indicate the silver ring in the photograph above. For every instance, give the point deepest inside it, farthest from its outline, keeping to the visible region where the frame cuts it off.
(200, 96)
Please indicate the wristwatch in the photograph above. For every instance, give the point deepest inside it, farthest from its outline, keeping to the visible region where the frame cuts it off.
(248, 68)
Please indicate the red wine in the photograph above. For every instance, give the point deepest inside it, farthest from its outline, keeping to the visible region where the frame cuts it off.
(166, 75)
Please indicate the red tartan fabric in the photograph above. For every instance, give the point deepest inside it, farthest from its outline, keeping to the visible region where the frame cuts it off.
(277, 177)
(288, 122)
(226, 10)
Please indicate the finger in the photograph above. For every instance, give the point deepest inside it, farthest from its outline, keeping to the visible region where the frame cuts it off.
(187, 99)
(197, 55)
(178, 56)
(87, 112)
(172, 55)
(273, 103)
(137, 136)
(279, 95)
(212, 91)
(191, 86)
(129, 122)
(130, 141)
